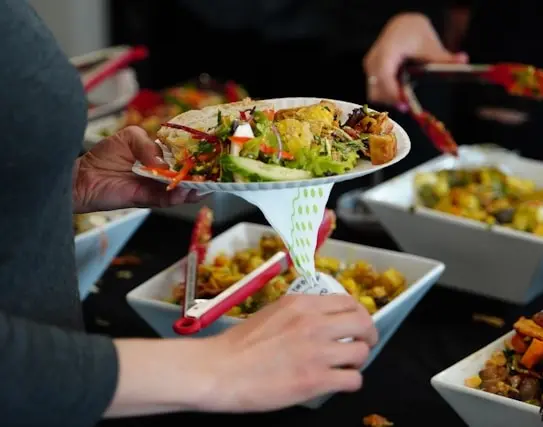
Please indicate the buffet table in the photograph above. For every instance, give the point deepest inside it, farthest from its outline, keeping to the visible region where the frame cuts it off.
(438, 333)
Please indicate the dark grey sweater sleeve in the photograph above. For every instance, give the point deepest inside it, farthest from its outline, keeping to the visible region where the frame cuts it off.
(33, 361)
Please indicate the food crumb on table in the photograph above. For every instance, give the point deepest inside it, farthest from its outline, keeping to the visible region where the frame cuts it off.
(375, 420)
(124, 274)
(495, 321)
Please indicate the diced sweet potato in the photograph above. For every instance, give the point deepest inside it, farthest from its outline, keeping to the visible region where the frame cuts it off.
(383, 148)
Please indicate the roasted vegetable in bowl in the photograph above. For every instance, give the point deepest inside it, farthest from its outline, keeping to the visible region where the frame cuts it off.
(517, 370)
(370, 287)
(86, 222)
(486, 194)
(150, 109)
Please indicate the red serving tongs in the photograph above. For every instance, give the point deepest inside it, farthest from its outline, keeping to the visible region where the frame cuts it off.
(112, 65)
(200, 238)
(431, 126)
(517, 79)
(199, 314)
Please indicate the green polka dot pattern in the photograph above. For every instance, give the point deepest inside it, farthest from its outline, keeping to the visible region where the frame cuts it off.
(307, 211)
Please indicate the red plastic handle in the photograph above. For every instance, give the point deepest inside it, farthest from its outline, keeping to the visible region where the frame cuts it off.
(192, 325)
(112, 66)
(187, 326)
(240, 295)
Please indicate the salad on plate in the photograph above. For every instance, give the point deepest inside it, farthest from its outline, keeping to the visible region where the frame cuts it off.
(251, 141)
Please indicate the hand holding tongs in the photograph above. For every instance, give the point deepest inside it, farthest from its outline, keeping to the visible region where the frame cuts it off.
(198, 314)
(516, 79)
(112, 65)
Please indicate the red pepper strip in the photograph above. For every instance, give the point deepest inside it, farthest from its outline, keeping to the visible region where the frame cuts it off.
(189, 163)
(437, 133)
(201, 233)
(197, 133)
(240, 139)
(266, 149)
(231, 92)
(146, 100)
(243, 116)
(162, 172)
(328, 225)
(206, 157)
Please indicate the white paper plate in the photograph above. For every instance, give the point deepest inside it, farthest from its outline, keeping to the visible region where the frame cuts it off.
(363, 168)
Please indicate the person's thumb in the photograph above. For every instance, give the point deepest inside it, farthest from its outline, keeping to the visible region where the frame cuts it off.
(143, 148)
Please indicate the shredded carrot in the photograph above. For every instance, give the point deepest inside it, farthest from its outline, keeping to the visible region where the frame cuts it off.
(240, 139)
(181, 175)
(162, 172)
(266, 149)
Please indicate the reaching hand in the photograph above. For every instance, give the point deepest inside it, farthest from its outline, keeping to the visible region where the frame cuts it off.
(406, 36)
(103, 177)
(288, 353)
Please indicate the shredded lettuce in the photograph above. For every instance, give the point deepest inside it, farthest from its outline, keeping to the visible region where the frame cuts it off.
(321, 165)
(262, 125)
(251, 148)
(224, 126)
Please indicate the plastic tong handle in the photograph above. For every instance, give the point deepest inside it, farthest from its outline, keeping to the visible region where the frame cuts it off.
(247, 286)
(111, 66)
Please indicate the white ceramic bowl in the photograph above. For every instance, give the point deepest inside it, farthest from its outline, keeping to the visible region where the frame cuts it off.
(148, 299)
(96, 128)
(495, 262)
(91, 258)
(114, 93)
(479, 408)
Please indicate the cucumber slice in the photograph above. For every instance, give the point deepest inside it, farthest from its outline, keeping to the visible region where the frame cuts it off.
(257, 171)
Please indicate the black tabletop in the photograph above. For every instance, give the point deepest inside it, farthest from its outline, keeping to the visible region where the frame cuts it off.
(438, 333)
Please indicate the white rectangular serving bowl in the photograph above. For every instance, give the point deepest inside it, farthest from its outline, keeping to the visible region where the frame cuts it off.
(91, 259)
(476, 407)
(115, 92)
(148, 299)
(95, 129)
(495, 262)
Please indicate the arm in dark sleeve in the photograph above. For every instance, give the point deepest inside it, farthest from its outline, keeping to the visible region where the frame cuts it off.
(53, 377)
